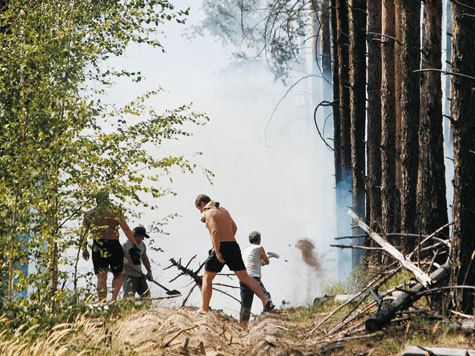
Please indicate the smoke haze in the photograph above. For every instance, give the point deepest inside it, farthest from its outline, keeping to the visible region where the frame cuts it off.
(273, 175)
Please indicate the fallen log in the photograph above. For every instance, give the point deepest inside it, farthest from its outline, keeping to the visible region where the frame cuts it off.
(387, 312)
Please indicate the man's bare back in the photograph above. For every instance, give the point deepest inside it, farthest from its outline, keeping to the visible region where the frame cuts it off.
(103, 225)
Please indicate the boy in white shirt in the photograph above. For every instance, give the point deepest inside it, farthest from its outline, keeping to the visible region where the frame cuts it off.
(254, 256)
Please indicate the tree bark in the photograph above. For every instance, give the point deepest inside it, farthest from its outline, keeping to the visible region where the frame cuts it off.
(463, 109)
(358, 112)
(431, 192)
(388, 120)
(343, 186)
(336, 91)
(344, 87)
(410, 92)
(374, 115)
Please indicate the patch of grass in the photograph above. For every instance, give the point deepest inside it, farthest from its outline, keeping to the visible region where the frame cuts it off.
(389, 346)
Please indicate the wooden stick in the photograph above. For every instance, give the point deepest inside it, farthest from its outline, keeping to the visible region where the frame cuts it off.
(418, 273)
(178, 334)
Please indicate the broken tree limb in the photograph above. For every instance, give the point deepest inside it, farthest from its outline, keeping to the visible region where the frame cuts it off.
(422, 277)
(358, 247)
(387, 312)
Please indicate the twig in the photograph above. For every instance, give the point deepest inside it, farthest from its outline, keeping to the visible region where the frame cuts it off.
(461, 314)
(160, 298)
(229, 295)
(446, 72)
(178, 334)
(226, 285)
(188, 295)
(359, 247)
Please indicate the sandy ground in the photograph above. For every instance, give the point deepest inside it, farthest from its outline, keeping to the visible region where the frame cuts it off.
(183, 331)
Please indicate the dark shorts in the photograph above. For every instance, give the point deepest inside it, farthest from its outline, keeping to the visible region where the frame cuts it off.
(132, 285)
(232, 258)
(107, 255)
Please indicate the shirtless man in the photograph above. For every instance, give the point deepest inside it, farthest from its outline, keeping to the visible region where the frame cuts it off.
(103, 222)
(222, 230)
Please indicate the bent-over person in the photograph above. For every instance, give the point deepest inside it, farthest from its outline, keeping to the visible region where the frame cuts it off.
(222, 230)
(103, 223)
(135, 281)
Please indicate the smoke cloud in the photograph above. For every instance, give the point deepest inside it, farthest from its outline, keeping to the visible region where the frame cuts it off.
(307, 247)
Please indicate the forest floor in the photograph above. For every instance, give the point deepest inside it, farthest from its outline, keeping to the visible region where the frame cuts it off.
(182, 331)
(159, 330)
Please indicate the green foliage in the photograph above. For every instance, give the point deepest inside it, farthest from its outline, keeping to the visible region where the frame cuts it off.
(274, 30)
(60, 143)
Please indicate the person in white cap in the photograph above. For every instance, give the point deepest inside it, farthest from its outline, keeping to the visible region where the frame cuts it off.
(135, 281)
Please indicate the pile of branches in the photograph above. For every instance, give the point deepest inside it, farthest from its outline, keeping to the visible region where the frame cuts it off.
(372, 310)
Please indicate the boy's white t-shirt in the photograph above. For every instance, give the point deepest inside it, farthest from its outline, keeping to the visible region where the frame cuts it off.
(251, 255)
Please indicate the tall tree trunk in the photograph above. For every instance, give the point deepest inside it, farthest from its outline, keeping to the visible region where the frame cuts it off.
(358, 112)
(326, 45)
(397, 113)
(463, 109)
(344, 83)
(431, 198)
(374, 114)
(336, 92)
(343, 188)
(326, 60)
(410, 11)
(388, 120)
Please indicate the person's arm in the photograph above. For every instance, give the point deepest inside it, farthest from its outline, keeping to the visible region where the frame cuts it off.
(146, 263)
(213, 231)
(264, 257)
(83, 244)
(127, 231)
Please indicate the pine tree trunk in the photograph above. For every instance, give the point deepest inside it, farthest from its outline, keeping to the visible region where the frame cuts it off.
(388, 120)
(344, 90)
(326, 59)
(431, 198)
(374, 114)
(463, 109)
(336, 92)
(343, 187)
(358, 112)
(410, 93)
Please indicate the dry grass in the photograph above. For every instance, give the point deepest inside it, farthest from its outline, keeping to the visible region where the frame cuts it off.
(178, 331)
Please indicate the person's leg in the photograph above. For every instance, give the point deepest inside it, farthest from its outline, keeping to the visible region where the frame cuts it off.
(266, 293)
(247, 295)
(127, 286)
(102, 286)
(142, 287)
(116, 284)
(252, 283)
(207, 289)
